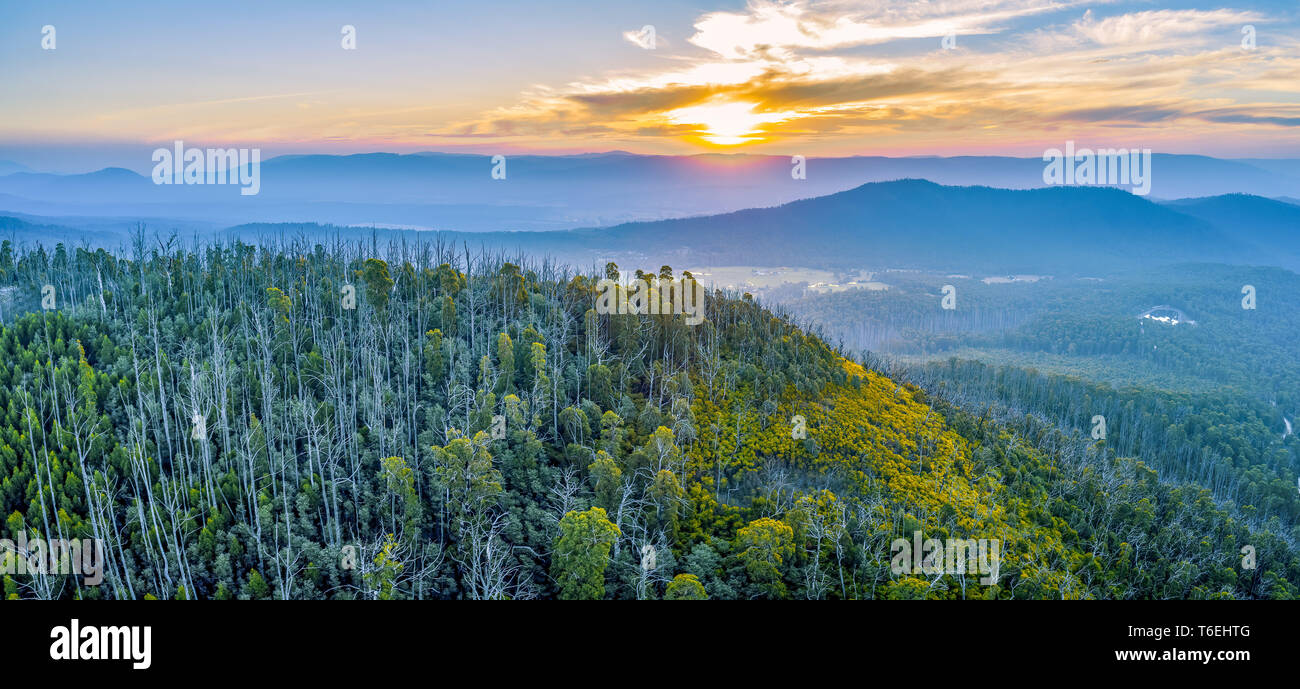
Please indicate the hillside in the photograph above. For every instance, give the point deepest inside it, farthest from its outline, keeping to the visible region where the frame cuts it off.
(237, 422)
(911, 224)
(36, 231)
(1208, 398)
(1273, 225)
(919, 224)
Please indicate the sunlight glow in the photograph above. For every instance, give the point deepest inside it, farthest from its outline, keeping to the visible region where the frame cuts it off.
(726, 124)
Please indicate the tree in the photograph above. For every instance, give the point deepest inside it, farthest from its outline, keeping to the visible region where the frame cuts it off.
(379, 284)
(685, 587)
(464, 469)
(607, 479)
(382, 579)
(582, 554)
(257, 588)
(505, 363)
(765, 544)
(403, 504)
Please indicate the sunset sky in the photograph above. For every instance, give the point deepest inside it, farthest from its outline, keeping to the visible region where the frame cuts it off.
(870, 77)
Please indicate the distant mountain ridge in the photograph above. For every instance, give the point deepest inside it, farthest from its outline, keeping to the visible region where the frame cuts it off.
(920, 224)
(1273, 222)
(8, 167)
(911, 224)
(452, 191)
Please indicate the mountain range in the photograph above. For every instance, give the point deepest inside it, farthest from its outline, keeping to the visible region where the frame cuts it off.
(912, 224)
(442, 191)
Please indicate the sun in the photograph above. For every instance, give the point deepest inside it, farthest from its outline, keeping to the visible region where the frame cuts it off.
(726, 124)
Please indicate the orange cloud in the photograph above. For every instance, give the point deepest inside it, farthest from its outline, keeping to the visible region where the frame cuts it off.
(792, 73)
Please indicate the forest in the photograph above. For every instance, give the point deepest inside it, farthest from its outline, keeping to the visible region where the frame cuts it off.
(1207, 402)
(347, 420)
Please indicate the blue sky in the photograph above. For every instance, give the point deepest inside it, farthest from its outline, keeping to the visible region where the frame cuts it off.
(887, 77)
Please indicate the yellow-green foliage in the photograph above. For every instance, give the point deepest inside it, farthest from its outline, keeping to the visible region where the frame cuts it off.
(685, 587)
(892, 461)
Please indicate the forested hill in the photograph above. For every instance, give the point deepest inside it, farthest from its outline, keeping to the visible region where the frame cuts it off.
(921, 224)
(342, 422)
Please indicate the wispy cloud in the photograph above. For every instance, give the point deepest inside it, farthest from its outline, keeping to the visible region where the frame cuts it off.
(1144, 30)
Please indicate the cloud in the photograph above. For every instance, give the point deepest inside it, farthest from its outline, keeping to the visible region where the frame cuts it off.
(786, 71)
(645, 37)
(1156, 26)
(1281, 117)
(773, 30)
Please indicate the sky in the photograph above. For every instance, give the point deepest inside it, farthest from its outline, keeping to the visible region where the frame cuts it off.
(810, 77)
